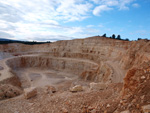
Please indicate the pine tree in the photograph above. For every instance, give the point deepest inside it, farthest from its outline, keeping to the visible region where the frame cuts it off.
(119, 37)
(127, 39)
(113, 36)
(104, 35)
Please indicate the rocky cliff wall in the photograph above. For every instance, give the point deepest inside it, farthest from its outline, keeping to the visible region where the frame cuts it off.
(95, 49)
(136, 54)
(59, 64)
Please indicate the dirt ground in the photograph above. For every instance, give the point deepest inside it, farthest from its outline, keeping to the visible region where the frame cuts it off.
(64, 101)
(35, 77)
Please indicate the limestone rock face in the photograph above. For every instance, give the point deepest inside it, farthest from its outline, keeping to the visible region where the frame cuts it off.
(83, 57)
(76, 88)
(135, 79)
(70, 65)
(137, 54)
(136, 87)
(97, 86)
(30, 92)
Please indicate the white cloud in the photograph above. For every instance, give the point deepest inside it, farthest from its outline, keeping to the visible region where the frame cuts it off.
(3, 25)
(90, 26)
(99, 9)
(123, 4)
(37, 19)
(96, 1)
(51, 38)
(74, 30)
(48, 9)
(106, 2)
(136, 5)
(34, 18)
(112, 3)
(73, 10)
(4, 34)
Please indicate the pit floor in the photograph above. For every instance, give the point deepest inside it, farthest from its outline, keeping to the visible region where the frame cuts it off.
(35, 77)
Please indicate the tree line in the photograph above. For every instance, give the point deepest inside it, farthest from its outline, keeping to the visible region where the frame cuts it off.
(23, 42)
(118, 37)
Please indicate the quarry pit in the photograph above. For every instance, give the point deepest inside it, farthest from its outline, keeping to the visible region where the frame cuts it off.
(99, 70)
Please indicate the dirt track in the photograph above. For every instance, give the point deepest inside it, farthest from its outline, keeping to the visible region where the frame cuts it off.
(118, 72)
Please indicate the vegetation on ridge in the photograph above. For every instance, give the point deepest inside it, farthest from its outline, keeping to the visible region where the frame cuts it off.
(23, 42)
(119, 37)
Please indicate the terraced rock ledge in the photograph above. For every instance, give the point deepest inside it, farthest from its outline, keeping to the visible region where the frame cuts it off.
(92, 75)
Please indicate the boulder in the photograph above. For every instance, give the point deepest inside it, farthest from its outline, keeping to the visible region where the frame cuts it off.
(50, 89)
(146, 108)
(97, 86)
(76, 88)
(30, 92)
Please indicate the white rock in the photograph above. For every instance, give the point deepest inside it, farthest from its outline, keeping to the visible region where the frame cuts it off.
(127, 111)
(143, 77)
(146, 108)
(30, 92)
(97, 86)
(76, 88)
(108, 106)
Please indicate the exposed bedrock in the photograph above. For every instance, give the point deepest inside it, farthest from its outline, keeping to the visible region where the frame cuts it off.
(137, 54)
(61, 64)
(102, 74)
(85, 69)
(97, 59)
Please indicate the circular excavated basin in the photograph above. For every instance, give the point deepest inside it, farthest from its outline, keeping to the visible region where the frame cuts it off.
(40, 71)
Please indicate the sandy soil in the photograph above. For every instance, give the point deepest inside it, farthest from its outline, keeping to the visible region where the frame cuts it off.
(35, 77)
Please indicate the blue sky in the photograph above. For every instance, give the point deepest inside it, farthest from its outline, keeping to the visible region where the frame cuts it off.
(51, 20)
